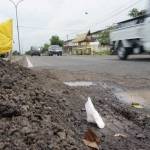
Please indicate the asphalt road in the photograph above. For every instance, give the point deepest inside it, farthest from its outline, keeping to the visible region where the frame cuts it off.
(137, 65)
(132, 75)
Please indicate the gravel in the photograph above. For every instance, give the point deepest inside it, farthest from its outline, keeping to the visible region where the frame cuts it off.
(39, 112)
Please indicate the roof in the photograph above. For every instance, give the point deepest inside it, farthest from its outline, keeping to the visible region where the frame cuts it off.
(81, 37)
(68, 41)
(97, 31)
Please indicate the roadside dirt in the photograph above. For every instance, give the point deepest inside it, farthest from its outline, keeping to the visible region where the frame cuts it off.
(37, 111)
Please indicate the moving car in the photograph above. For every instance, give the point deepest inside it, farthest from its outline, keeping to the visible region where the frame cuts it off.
(55, 50)
(35, 53)
(132, 36)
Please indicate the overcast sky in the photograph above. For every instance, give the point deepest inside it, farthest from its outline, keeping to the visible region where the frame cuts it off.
(40, 19)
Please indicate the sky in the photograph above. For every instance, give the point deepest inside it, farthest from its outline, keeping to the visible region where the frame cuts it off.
(40, 19)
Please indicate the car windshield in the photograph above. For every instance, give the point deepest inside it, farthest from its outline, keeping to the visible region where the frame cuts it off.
(55, 47)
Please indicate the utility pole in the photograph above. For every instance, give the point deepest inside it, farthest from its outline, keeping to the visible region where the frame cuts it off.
(67, 37)
(16, 9)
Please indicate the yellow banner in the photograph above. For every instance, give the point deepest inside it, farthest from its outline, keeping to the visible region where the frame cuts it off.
(6, 36)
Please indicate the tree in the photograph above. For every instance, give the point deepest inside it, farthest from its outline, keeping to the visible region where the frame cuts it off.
(28, 52)
(104, 37)
(142, 13)
(136, 13)
(55, 40)
(45, 48)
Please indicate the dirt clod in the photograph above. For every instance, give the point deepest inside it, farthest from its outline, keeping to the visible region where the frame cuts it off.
(7, 111)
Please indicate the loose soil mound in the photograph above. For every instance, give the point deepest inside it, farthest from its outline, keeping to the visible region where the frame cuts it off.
(37, 112)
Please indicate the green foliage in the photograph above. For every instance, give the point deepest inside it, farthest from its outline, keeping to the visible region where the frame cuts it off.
(3, 55)
(55, 40)
(28, 52)
(104, 37)
(142, 12)
(45, 48)
(103, 52)
(136, 13)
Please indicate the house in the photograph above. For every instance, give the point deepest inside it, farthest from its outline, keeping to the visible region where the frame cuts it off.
(68, 46)
(82, 43)
(103, 37)
(95, 35)
(85, 44)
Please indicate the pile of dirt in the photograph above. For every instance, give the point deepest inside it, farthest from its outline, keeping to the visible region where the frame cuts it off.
(38, 112)
(31, 117)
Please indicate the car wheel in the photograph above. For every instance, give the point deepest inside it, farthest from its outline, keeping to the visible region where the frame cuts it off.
(122, 52)
(60, 53)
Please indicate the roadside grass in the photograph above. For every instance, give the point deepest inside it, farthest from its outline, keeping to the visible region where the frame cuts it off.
(103, 53)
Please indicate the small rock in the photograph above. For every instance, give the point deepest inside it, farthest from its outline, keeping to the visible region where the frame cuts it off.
(25, 107)
(140, 136)
(2, 145)
(66, 103)
(7, 111)
(62, 135)
(26, 130)
(106, 99)
(48, 108)
(83, 109)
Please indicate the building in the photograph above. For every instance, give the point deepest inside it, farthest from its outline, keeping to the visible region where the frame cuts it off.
(95, 35)
(82, 43)
(85, 44)
(68, 46)
(102, 36)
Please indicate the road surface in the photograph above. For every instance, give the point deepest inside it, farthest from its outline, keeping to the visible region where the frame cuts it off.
(132, 75)
(110, 64)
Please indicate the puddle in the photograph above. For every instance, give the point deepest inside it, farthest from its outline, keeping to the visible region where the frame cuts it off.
(79, 84)
(124, 95)
(118, 92)
(142, 97)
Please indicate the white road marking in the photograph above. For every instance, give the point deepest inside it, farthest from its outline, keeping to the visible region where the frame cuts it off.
(30, 65)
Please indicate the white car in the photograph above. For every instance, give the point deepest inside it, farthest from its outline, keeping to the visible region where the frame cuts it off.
(55, 50)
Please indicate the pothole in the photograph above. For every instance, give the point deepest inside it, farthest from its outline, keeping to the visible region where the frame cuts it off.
(126, 96)
(80, 84)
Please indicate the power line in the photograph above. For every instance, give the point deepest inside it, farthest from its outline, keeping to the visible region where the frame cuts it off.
(33, 27)
(118, 12)
(115, 13)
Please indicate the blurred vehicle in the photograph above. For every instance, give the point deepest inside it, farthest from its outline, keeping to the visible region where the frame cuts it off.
(55, 50)
(132, 36)
(35, 53)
